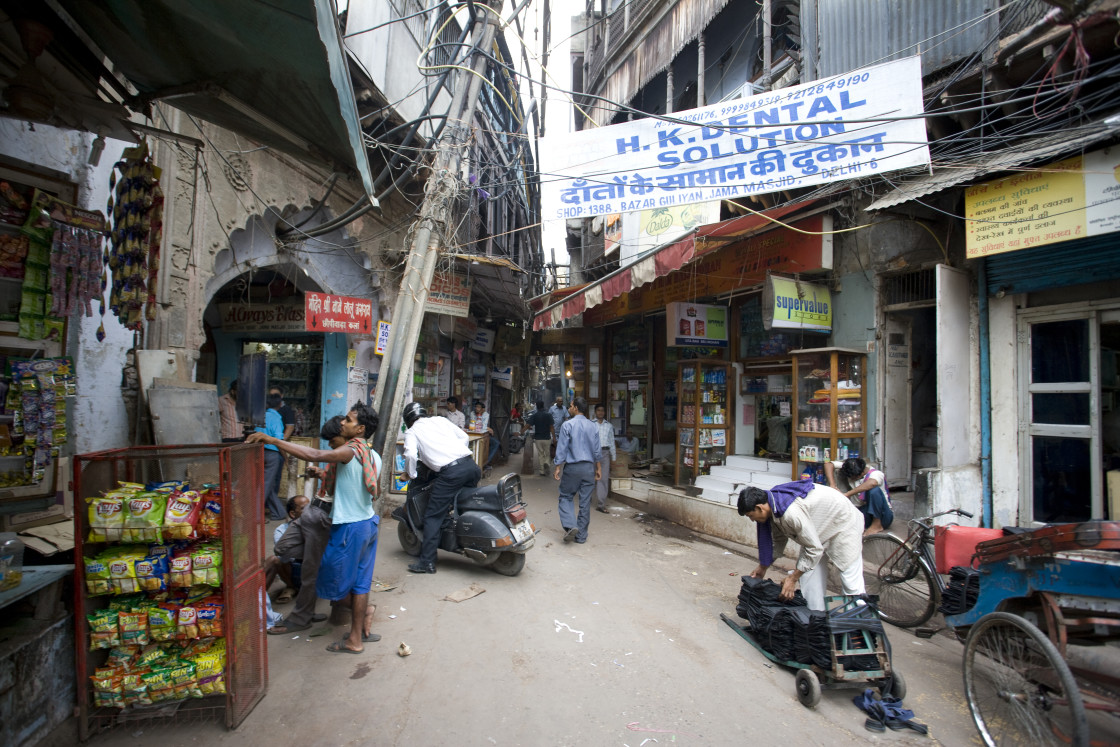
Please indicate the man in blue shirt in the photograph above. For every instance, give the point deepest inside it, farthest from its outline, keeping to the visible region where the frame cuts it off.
(273, 460)
(577, 459)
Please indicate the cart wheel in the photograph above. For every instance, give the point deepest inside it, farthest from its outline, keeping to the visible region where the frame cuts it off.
(898, 686)
(1019, 689)
(808, 688)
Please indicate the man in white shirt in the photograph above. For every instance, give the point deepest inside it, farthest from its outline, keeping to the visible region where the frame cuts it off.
(606, 456)
(454, 414)
(867, 487)
(480, 423)
(445, 450)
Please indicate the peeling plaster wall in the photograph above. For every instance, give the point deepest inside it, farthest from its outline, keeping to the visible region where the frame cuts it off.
(99, 417)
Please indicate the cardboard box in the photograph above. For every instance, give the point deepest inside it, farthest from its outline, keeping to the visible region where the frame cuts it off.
(19, 522)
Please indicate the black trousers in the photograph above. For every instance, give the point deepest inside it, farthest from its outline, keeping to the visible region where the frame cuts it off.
(453, 477)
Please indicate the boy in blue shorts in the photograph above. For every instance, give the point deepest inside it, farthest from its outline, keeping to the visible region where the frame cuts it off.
(346, 571)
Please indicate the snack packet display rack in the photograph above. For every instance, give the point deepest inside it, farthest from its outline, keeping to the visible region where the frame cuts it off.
(234, 474)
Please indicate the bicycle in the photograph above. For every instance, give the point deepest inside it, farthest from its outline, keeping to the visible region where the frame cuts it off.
(902, 573)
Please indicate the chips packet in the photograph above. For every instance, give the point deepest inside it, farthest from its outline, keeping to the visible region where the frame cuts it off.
(210, 619)
(103, 630)
(97, 577)
(135, 690)
(134, 628)
(179, 570)
(163, 622)
(152, 573)
(122, 570)
(143, 517)
(106, 517)
(210, 523)
(181, 517)
(122, 656)
(206, 565)
(188, 622)
(148, 656)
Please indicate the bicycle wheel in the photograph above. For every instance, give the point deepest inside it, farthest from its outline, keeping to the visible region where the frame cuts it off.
(903, 583)
(1019, 689)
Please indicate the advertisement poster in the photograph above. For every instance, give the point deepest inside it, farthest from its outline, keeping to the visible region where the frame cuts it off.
(383, 329)
(449, 294)
(326, 313)
(1067, 200)
(483, 340)
(856, 124)
(693, 324)
(794, 304)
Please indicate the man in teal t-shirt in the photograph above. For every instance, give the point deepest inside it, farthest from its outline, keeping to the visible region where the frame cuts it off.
(273, 462)
(347, 567)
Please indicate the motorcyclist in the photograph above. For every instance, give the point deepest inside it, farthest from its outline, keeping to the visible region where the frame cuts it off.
(443, 449)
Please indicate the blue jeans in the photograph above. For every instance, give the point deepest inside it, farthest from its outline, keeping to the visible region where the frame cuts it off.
(576, 478)
(495, 447)
(877, 506)
(273, 466)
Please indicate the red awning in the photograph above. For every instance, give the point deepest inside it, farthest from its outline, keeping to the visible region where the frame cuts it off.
(567, 302)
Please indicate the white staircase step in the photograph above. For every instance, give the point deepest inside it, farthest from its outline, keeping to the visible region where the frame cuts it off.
(734, 475)
(757, 464)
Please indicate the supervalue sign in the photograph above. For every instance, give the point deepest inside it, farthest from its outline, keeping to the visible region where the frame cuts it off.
(865, 122)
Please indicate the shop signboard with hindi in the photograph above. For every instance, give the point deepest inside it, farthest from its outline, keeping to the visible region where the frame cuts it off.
(695, 324)
(1067, 200)
(450, 294)
(793, 304)
(858, 124)
(324, 312)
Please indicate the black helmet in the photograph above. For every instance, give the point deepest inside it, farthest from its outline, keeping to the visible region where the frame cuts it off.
(413, 412)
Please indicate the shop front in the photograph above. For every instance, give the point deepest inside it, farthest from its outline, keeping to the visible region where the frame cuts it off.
(1053, 320)
(698, 369)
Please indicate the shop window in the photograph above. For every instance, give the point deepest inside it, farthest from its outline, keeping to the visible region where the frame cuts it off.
(755, 341)
(1061, 477)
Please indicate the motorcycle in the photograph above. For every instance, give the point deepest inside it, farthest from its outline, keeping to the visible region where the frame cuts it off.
(488, 524)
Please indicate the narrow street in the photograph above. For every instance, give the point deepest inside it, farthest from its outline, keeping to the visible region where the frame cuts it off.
(614, 642)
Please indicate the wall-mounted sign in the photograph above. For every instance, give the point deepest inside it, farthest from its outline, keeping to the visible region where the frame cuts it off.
(503, 376)
(689, 324)
(449, 294)
(383, 330)
(326, 313)
(483, 340)
(282, 316)
(1063, 201)
(793, 304)
(856, 124)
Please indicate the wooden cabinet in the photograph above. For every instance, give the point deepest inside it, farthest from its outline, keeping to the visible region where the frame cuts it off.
(829, 410)
(705, 433)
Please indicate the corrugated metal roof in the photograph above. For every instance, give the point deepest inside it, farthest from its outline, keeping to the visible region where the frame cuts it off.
(1043, 148)
(942, 31)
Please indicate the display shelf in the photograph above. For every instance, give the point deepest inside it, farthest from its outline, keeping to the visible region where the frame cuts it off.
(829, 412)
(705, 434)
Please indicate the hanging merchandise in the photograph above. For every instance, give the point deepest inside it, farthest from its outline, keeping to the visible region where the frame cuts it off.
(137, 211)
(35, 402)
(61, 265)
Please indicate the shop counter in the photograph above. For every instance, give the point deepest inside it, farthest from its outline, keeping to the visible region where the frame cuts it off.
(480, 448)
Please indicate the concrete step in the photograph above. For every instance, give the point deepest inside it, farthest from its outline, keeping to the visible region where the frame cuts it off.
(923, 457)
(734, 475)
(716, 496)
(757, 464)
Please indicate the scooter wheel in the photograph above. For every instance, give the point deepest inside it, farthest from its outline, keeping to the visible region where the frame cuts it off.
(409, 541)
(509, 563)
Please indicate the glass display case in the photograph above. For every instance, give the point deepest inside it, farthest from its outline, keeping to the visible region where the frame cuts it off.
(705, 432)
(829, 406)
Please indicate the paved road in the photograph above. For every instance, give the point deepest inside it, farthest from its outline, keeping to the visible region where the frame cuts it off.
(651, 659)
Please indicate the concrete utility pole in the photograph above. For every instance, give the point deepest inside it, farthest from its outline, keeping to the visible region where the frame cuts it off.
(394, 379)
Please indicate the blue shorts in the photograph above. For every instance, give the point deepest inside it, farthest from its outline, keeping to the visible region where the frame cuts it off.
(347, 566)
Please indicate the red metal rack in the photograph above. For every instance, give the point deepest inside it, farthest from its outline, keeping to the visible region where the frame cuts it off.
(239, 471)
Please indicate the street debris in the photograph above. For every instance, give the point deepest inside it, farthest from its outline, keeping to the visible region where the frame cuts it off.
(403, 650)
(463, 595)
(647, 739)
(382, 586)
(392, 617)
(615, 662)
(560, 626)
(403, 609)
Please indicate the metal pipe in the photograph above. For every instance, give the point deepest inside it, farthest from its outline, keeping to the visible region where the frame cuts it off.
(701, 96)
(986, 518)
(767, 46)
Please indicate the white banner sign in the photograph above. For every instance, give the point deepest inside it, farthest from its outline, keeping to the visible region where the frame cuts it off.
(785, 139)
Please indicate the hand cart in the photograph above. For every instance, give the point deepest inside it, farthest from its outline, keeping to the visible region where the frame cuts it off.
(1042, 641)
(861, 641)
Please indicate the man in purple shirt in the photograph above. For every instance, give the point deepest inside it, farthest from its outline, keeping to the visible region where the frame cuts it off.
(577, 458)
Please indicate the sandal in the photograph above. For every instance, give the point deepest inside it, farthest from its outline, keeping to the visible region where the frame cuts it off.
(285, 596)
(339, 647)
(286, 628)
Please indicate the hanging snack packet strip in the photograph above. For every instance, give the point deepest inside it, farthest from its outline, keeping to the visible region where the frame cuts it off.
(210, 617)
(188, 622)
(152, 572)
(134, 628)
(122, 569)
(179, 572)
(97, 576)
(163, 622)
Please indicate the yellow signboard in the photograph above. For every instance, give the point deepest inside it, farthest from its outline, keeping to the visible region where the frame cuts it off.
(793, 304)
(1063, 201)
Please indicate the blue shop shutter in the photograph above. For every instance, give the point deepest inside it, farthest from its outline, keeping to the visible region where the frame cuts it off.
(1088, 260)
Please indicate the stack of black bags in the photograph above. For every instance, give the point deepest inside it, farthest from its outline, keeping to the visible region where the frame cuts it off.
(788, 630)
(962, 591)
